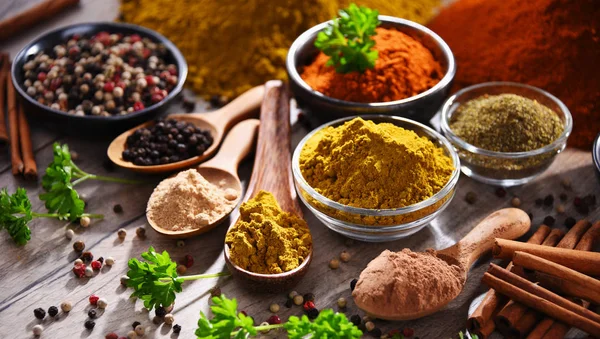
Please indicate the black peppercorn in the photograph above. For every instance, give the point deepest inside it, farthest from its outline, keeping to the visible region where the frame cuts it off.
(135, 324)
(570, 222)
(309, 297)
(549, 200)
(160, 311)
(92, 313)
(549, 221)
(118, 208)
(312, 313)
(89, 324)
(376, 332)
(471, 198)
(355, 319)
(500, 192)
(52, 311)
(353, 284)
(176, 329)
(39, 313)
(289, 303)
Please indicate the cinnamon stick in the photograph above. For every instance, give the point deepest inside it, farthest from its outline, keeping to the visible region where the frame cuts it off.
(511, 314)
(558, 307)
(590, 238)
(44, 10)
(581, 261)
(13, 124)
(575, 234)
(4, 61)
(590, 287)
(541, 328)
(30, 167)
(480, 320)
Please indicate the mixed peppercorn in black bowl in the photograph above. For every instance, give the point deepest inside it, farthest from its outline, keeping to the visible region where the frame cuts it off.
(98, 78)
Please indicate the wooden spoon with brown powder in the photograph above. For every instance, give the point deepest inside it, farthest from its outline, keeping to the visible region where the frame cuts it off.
(409, 285)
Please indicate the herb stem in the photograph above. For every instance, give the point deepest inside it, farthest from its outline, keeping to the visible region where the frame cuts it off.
(56, 215)
(199, 276)
(119, 180)
(81, 179)
(262, 328)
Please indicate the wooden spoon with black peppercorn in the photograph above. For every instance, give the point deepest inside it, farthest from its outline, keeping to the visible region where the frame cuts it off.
(217, 123)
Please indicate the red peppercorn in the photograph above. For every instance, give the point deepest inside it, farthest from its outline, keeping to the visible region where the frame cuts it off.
(41, 76)
(138, 106)
(408, 332)
(309, 305)
(393, 333)
(79, 270)
(109, 86)
(74, 51)
(104, 38)
(96, 265)
(156, 97)
(135, 38)
(150, 80)
(172, 71)
(55, 83)
(121, 84)
(93, 299)
(146, 53)
(188, 261)
(111, 335)
(76, 37)
(274, 320)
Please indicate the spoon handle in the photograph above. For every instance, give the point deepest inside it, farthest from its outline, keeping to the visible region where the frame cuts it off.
(237, 144)
(507, 223)
(272, 169)
(242, 107)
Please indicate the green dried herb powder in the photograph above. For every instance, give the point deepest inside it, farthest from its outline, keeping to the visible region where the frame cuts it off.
(506, 123)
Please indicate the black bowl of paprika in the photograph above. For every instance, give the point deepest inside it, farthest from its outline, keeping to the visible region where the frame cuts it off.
(94, 125)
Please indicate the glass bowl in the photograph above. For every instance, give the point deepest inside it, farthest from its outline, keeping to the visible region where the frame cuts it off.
(377, 225)
(505, 168)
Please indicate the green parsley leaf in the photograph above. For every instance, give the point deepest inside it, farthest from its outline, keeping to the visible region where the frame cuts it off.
(15, 214)
(225, 322)
(347, 40)
(327, 325)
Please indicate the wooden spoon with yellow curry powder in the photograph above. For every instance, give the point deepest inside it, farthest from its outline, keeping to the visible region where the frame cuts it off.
(271, 174)
(408, 285)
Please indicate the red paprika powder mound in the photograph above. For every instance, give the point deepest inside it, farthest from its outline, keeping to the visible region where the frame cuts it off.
(551, 44)
(404, 68)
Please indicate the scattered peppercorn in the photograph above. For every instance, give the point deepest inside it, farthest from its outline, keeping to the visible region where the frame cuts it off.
(549, 221)
(111, 335)
(131, 334)
(87, 256)
(140, 232)
(566, 183)
(539, 202)
(117, 208)
(180, 243)
(52, 311)
(334, 264)
(102, 303)
(93, 299)
(39, 313)
(109, 261)
(341, 302)
(274, 308)
(218, 101)
(181, 269)
(122, 233)
(169, 319)
(188, 261)
(78, 246)
(66, 306)
(369, 326)
(274, 319)
(308, 305)
(408, 332)
(298, 300)
(292, 294)
(353, 284)
(188, 104)
(96, 265)
(135, 324)
(85, 221)
(89, 272)
(309, 297)
(345, 256)
(313, 313)
(560, 208)
(549, 200)
(69, 234)
(570, 222)
(79, 270)
(176, 329)
(515, 202)
(160, 311)
(355, 319)
(471, 198)
(124, 279)
(167, 141)
(563, 196)
(500, 192)
(37, 330)
(140, 330)
(89, 324)
(92, 313)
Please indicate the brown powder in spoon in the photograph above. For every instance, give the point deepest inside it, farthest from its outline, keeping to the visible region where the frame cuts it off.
(406, 282)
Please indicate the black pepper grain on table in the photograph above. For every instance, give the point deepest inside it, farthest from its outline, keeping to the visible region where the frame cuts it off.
(165, 142)
(102, 74)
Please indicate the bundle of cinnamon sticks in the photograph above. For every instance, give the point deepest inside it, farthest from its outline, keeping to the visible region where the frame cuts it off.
(18, 133)
(546, 289)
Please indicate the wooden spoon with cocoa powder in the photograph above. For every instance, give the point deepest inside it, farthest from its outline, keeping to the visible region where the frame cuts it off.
(409, 285)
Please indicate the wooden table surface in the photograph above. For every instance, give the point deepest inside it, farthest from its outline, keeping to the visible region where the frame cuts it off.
(39, 274)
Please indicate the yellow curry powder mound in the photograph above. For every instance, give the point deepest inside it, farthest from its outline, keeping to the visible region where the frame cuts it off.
(267, 239)
(232, 45)
(377, 166)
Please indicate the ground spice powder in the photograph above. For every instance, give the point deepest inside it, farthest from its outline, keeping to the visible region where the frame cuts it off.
(404, 68)
(267, 239)
(231, 45)
(377, 166)
(551, 44)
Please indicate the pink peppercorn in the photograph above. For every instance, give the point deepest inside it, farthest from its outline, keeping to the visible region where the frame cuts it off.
(138, 106)
(111, 335)
(188, 261)
(274, 319)
(309, 305)
(150, 80)
(408, 332)
(41, 76)
(96, 265)
(109, 86)
(156, 97)
(93, 299)
(104, 38)
(135, 38)
(74, 51)
(79, 270)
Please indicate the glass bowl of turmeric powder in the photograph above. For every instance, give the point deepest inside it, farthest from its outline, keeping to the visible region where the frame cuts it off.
(505, 133)
(375, 177)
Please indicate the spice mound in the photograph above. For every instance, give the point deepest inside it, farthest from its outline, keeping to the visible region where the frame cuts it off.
(377, 166)
(405, 282)
(188, 201)
(404, 68)
(266, 239)
(102, 74)
(506, 123)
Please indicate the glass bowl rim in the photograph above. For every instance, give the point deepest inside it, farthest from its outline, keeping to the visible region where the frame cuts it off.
(442, 193)
(558, 143)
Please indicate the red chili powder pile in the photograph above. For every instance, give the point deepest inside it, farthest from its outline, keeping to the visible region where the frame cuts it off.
(404, 68)
(551, 44)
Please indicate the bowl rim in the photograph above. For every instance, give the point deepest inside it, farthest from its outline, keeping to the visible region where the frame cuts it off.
(442, 193)
(596, 153)
(308, 35)
(179, 60)
(558, 143)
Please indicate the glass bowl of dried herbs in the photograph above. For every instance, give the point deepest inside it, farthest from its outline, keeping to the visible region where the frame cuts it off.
(505, 133)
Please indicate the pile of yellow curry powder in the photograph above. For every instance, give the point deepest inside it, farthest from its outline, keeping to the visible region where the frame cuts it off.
(376, 166)
(267, 239)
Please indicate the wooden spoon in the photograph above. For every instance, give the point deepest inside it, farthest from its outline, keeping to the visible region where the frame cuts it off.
(221, 171)
(273, 172)
(508, 223)
(217, 122)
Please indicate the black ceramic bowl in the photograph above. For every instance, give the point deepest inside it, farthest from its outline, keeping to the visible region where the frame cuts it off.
(420, 107)
(596, 155)
(93, 125)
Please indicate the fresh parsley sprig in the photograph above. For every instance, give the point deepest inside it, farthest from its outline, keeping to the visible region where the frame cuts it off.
(59, 181)
(347, 40)
(228, 323)
(15, 215)
(155, 281)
